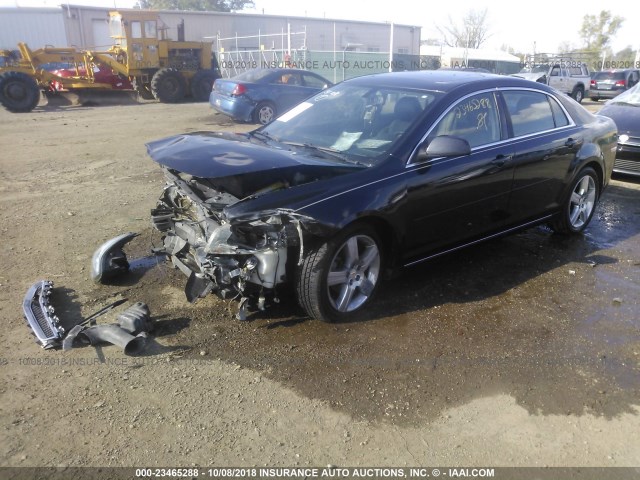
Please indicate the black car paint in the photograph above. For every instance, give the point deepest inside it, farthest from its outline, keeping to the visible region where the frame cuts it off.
(627, 119)
(424, 207)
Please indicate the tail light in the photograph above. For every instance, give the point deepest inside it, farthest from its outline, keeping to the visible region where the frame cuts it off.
(593, 84)
(239, 90)
(621, 83)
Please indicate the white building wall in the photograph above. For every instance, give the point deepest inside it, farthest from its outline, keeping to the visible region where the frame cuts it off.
(37, 27)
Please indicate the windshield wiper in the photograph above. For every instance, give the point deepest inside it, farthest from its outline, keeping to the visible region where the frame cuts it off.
(332, 152)
(263, 136)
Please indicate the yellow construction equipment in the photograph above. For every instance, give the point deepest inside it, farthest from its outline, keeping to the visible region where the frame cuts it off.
(152, 64)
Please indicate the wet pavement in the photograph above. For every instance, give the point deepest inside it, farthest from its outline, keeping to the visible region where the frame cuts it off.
(552, 321)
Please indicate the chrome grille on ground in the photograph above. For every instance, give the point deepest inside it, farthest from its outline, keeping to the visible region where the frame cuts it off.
(40, 315)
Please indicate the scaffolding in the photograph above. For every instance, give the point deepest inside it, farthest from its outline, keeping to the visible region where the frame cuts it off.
(240, 53)
(265, 50)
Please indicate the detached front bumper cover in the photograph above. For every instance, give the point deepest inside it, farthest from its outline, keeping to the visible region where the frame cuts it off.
(109, 260)
(40, 315)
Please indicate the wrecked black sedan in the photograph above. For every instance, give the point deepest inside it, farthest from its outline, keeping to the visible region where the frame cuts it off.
(375, 173)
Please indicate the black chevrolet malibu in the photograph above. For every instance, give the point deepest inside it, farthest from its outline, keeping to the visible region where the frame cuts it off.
(378, 172)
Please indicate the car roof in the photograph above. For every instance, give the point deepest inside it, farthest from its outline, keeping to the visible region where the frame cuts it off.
(617, 70)
(444, 80)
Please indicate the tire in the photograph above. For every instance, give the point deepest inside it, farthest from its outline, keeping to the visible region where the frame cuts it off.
(594, 99)
(264, 113)
(201, 85)
(168, 85)
(578, 94)
(340, 277)
(144, 90)
(580, 203)
(19, 93)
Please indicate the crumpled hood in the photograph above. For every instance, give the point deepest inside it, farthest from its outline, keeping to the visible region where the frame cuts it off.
(219, 154)
(232, 163)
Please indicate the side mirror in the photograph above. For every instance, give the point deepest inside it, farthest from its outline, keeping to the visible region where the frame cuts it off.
(444, 146)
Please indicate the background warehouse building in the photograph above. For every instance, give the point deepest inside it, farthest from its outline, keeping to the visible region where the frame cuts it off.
(241, 39)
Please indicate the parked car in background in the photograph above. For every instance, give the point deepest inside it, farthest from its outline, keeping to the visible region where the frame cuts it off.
(535, 74)
(610, 83)
(625, 112)
(260, 95)
(571, 78)
(375, 173)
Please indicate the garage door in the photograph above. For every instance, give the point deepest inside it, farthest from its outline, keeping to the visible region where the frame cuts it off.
(101, 38)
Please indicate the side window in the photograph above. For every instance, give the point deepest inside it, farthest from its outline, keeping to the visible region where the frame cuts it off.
(136, 30)
(530, 112)
(311, 81)
(559, 117)
(150, 30)
(288, 79)
(475, 119)
(555, 72)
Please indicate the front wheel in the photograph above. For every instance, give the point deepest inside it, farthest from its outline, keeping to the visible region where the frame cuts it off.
(340, 277)
(577, 209)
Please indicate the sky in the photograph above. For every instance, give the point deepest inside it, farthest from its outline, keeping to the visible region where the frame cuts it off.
(516, 24)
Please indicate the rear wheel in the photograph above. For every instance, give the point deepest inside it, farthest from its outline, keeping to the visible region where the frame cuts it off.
(578, 207)
(264, 113)
(340, 277)
(201, 84)
(19, 93)
(578, 94)
(168, 85)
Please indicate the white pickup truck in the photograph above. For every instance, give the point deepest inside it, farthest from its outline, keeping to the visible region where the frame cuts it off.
(571, 78)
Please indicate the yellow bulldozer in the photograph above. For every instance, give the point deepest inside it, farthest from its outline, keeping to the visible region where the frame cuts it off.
(142, 57)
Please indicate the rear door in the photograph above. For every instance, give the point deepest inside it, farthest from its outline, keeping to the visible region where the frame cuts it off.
(289, 90)
(546, 142)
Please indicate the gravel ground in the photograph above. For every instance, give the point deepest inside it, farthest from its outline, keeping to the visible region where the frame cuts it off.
(522, 351)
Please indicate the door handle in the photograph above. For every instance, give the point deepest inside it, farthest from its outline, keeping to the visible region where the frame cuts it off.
(501, 160)
(572, 143)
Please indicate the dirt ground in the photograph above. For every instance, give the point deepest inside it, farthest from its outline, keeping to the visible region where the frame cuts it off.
(523, 351)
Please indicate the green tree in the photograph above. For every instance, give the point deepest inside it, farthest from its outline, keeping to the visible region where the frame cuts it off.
(597, 32)
(473, 32)
(198, 5)
(626, 56)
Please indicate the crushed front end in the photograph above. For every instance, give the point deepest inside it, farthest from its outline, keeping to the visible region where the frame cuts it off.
(244, 259)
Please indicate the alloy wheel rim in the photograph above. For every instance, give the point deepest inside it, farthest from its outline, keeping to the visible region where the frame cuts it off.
(583, 199)
(353, 273)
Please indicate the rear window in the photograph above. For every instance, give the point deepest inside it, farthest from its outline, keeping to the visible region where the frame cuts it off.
(609, 76)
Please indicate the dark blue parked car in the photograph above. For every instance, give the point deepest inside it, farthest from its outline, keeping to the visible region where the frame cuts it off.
(260, 95)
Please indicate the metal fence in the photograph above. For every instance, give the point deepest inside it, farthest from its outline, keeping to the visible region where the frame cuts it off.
(289, 49)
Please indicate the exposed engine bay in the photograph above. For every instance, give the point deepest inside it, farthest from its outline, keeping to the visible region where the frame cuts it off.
(242, 258)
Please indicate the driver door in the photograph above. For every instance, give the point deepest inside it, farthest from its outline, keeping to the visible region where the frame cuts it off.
(454, 200)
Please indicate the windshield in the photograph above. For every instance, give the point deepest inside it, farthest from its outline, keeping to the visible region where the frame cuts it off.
(361, 123)
(630, 97)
